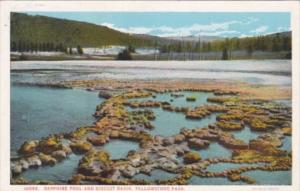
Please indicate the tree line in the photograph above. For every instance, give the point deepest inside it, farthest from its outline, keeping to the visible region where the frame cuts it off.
(22, 46)
(272, 43)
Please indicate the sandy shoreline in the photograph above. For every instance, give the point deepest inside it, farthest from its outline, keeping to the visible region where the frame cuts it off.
(268, 72)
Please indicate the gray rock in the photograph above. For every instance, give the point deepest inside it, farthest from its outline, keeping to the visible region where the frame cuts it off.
(177, 94)
(59, 155)
(16, 168)
(34, 161)
(129, 171)
(146, 169)
(105, 94)
(198, 143)
(24, 164)
(168, 141)
(116, 175)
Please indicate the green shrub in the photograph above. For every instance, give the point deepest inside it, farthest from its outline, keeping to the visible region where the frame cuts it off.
(191, 98)
(124, 55)
(23, 57)
(191, 157)
(79, 50)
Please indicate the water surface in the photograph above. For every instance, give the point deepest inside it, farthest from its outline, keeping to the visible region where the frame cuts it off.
(254, 71)
(169, 123)
(246, 134)
(196, 180)
(119, 148)
(201, 98)
(270, 177)
(156, 174)
(37, 112)
(215, 150)
(287, 143)
(219, 167)
(59, 173)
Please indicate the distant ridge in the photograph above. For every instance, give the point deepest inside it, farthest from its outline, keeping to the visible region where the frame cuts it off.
(196, 38)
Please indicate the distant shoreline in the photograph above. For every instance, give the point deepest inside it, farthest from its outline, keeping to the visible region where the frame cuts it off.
(183, 56)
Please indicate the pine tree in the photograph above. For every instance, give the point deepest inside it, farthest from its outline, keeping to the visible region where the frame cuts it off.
(13, 46)
(250, 49)
(225, 54)
(79, 50)
(131, 49)
(124, 55)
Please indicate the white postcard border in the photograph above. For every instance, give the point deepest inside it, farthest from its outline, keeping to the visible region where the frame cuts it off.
(145, 6)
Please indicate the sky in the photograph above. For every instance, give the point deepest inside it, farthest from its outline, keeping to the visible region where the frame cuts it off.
(167, 24)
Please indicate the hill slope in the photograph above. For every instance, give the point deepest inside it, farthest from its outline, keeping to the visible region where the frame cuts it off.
(32, 33)
(41, 29)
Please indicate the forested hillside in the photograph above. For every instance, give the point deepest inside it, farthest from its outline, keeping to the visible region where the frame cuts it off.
(270, 43)
(40, 33)
(29, 32)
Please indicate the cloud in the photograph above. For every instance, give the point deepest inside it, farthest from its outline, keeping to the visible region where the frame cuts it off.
(139, 30)
(251, 20)
(245, 35)
(204, 33)
(135, 30)
(260, 29)
(218, 33)
(212, 29)
(280, 29)
(109, 25)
